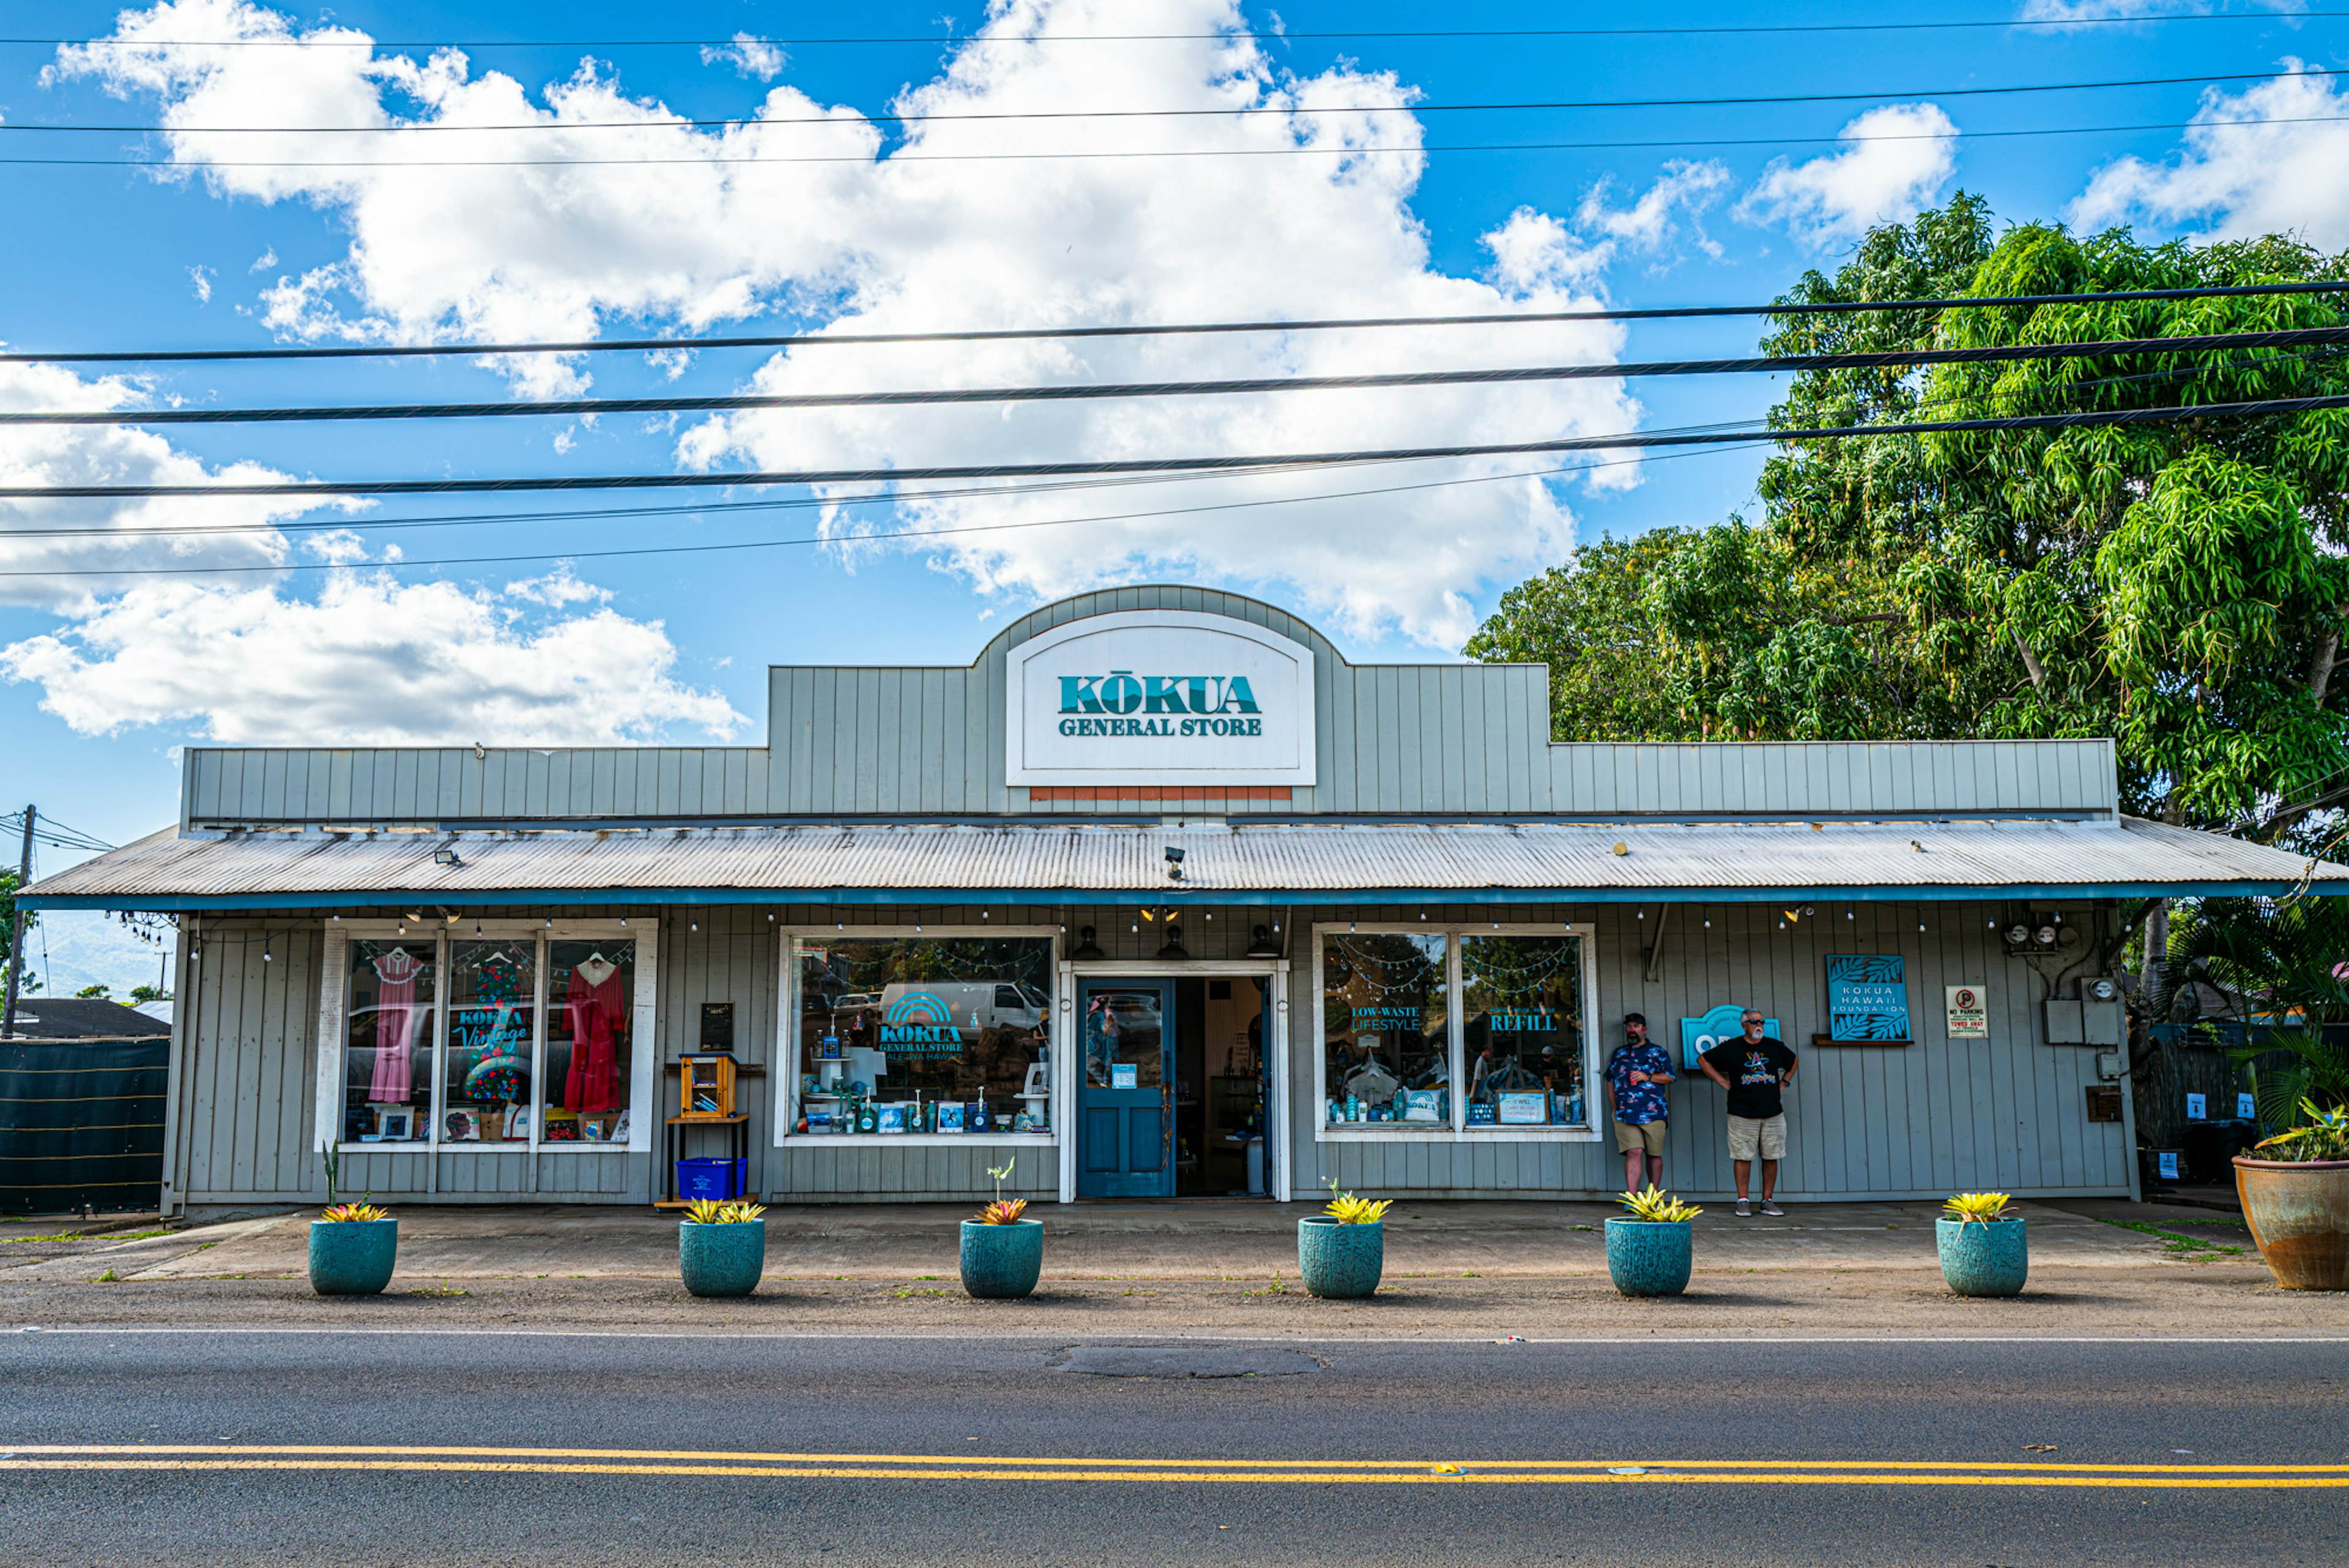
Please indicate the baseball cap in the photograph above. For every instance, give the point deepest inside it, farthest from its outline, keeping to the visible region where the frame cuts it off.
(1635, 1018)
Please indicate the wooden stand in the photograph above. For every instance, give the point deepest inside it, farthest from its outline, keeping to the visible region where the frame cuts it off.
(737, 1146)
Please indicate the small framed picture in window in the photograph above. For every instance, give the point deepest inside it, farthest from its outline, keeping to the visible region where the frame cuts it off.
(950, 1115)
(396, 1124)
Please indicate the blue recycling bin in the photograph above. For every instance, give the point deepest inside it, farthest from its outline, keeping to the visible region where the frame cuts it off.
(713, 1178)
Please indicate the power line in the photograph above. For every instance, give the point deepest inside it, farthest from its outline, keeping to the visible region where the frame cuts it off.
(1283, 35)
(274, 568)
(1742, 100)
(1285, 152)
(1417, 149)
(48, 829)
(900, 496)
(2259, 408)
(848, 339)
(1522, 375)
(877, 535)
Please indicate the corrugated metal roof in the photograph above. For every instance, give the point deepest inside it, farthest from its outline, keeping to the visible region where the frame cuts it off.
(1468, 861)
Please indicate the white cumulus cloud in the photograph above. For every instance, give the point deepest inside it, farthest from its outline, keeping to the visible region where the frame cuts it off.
(369, 662)
(2272, 160)
(749, 54)
(1295, 204)
(248, 658)
(1893, 162)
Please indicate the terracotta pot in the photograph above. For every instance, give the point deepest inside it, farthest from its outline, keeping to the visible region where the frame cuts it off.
(2299, 1214)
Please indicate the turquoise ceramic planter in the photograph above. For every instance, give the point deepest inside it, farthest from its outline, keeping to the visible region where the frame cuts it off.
(722, 1260)
(1979, 1259)
(1341, 1262)
(1000, 1262)
(352, 1257)
(1645, 1257)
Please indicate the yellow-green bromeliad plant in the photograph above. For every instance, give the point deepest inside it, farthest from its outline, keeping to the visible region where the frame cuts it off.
(711, 1212)
(1348, 1209)
(1655, 1207)
(1976, 1207)
(354, 1213)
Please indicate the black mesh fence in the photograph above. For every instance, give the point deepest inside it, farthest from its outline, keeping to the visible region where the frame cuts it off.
(81, 1123)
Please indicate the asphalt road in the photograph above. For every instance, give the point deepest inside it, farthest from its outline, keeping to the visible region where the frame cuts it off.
(203, 1447)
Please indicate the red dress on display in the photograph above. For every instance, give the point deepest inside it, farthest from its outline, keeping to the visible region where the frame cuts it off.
(598, 1014)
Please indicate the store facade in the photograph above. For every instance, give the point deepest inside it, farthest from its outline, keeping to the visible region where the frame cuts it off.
(1160, 897)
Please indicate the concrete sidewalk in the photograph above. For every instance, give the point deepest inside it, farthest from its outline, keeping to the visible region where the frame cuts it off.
(1453, 1269)
(1104, 1241)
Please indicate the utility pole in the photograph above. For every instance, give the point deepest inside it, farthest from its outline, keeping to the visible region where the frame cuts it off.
(17, 935)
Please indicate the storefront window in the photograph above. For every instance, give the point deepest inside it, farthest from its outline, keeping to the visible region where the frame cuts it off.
(935, 1035)
(590, 996)
(1384, 1012)
(1521, 1012)
(387, 1044)
(493, 1006)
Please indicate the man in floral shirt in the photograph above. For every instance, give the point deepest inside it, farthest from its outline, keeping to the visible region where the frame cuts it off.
(1636, 1076)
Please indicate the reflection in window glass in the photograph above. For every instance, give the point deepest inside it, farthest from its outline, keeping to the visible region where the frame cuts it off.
(1384, 997)
(387, 1056)
(914, 1034)
(492, 997)
(1521, 1012)
(591, 988)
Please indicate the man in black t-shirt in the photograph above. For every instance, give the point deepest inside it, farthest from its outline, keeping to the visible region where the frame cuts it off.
(1755, 1070)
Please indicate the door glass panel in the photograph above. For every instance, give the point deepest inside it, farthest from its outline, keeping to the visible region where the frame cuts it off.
(492, 1000)
(591, 990)
(1124, 1029)
(1383, 1009)
(387, 1056)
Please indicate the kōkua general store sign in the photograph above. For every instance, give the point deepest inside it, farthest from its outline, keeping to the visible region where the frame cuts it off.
(1159, 697)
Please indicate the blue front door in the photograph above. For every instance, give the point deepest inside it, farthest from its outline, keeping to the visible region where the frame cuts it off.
(1125, 1101)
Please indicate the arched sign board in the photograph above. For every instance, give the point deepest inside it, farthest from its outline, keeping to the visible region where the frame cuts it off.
(1159, 697)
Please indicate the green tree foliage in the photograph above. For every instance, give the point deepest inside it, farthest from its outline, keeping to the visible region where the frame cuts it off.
(30, 982)
(2280, 961)
(101, 992)
(2179, 586)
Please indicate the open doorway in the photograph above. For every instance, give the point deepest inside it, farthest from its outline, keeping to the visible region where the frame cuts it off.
(1221, 1088)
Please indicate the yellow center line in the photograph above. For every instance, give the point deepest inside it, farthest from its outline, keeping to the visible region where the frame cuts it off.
(1033, 1462)
(1857, 1475)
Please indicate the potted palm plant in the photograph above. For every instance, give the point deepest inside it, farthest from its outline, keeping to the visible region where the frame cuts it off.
(722, 1248)
(2294, 1188)
(1651, 1251)
(352, 1249)
(1342, 1251)
(1984, 1249)
(1002, 1253)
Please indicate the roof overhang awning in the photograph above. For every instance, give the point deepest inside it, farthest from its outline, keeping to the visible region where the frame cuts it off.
(1368, 863)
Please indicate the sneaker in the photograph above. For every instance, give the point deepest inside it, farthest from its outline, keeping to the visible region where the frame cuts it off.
(1743, 1210)
(1770, 1207)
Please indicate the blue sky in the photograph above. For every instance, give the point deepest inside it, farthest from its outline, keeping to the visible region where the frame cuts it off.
(247, 237)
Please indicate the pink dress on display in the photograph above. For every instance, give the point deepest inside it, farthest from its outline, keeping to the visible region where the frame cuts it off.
(597, 1019)
(395, 1024)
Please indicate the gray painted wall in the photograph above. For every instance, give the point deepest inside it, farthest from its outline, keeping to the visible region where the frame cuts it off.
(1392, 739)
(1940, 1116)
(1935, 1118)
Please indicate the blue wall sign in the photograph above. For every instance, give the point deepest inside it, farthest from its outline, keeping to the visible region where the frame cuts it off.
(1868, 997)
(1699, 1035)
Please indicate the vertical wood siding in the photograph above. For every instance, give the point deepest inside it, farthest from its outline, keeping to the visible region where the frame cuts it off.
(1919, 1121)
(902, 741)
(1916, 1121)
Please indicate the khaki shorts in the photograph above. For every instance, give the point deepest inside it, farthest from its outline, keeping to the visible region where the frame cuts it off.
(1750, 1135)
(1633, 1137)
